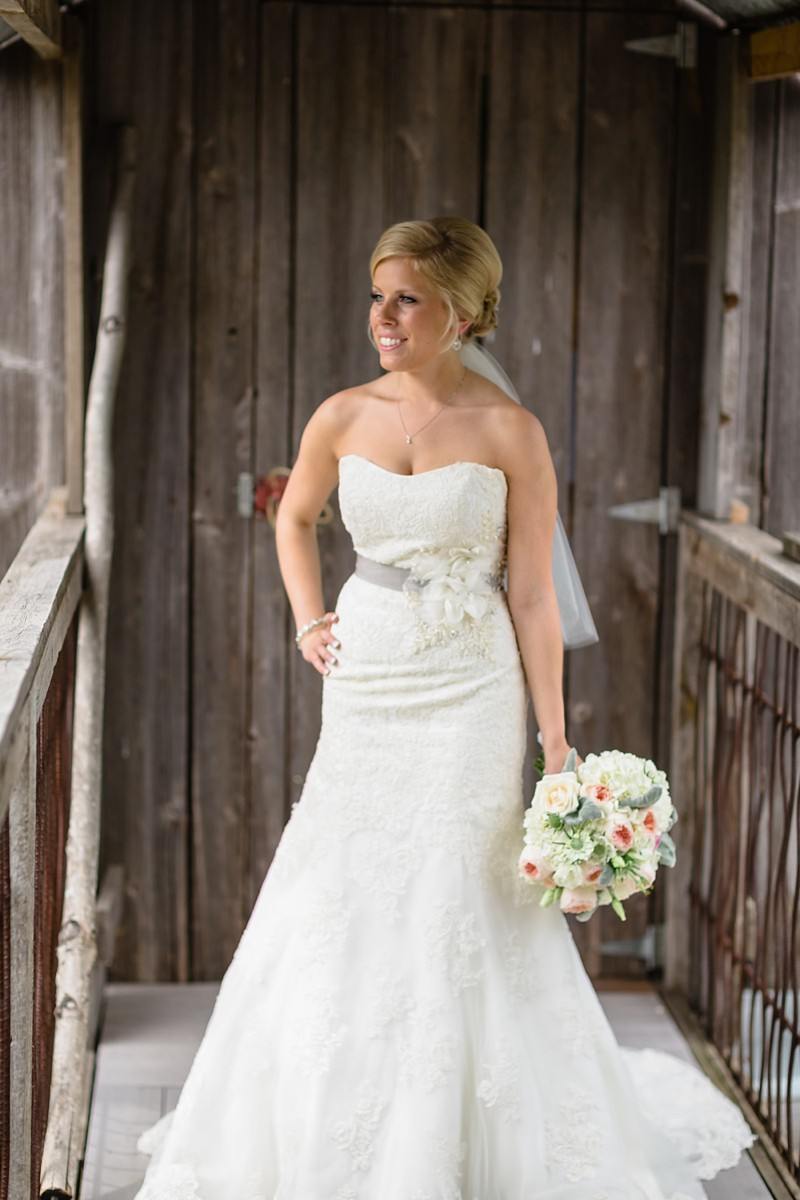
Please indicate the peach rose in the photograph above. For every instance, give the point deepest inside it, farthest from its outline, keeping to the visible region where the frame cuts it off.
(578, 900)
(592, 872)
(597, 791)
(621, 833)
(533, 866)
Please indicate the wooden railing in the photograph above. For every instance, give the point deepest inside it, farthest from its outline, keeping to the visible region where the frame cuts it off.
(39, 598)
(733, 927)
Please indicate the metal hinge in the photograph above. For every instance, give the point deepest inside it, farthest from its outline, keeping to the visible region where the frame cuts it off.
(244, 494)
(680, 45)
(663, 510)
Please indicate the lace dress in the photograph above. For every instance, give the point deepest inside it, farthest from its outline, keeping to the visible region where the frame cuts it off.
(401, 1020)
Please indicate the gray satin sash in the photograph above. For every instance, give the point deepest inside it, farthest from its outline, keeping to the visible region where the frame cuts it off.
(383, 573)
(387, 574)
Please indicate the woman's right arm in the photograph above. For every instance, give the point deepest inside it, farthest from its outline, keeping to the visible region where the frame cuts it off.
(311, 481)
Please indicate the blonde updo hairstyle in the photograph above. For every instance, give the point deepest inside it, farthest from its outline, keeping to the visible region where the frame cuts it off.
(458, 259)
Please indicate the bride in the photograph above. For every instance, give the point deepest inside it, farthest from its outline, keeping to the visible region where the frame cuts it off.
(401, 1020)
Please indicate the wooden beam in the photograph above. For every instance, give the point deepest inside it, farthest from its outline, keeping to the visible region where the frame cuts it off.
(722, 417)
(774, 53)
(74, 319)
(37, 21)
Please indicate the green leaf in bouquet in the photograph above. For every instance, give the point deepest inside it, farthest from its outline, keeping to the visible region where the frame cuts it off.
(591, 810)
(616, 904)
(555, 819)
(666, 851)
(550, 897)
(538, 764)
(570, 760)
(606, 876)
(650, 797)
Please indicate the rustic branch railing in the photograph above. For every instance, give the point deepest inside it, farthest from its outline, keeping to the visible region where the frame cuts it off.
(53, 616)
(734, 898)
(39, 598)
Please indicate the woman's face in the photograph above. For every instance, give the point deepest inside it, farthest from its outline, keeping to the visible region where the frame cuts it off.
(408, 317)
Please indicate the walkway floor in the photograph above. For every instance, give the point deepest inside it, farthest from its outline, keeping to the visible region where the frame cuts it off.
(150, 1035)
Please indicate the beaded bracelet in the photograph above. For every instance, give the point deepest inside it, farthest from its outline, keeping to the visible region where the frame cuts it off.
(307, 628)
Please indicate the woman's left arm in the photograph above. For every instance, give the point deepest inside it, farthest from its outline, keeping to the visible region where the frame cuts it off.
(532, 599)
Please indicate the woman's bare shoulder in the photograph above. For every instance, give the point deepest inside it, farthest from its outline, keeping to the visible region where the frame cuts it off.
(343, 405)
(520, 439)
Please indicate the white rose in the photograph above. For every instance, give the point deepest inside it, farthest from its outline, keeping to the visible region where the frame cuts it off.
(558, 793)
(569, 875)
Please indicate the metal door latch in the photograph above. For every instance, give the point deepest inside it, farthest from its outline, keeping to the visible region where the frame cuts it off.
(680, 45)
(662, 510)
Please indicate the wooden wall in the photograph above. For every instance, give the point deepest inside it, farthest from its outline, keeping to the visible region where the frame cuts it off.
(279, 140)
(31, 296)
(768, 470)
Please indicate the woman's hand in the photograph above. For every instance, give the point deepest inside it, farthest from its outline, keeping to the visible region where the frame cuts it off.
(555, 757)
(314, 645)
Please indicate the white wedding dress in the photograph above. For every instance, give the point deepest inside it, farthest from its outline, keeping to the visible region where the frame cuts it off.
(401, 1020)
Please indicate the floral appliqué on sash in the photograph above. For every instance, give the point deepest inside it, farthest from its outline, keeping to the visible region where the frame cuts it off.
(451, 588)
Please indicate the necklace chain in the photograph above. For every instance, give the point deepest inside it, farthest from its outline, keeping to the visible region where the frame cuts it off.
(409, 436)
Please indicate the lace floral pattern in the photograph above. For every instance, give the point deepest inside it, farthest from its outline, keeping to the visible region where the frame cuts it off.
(454, 944)
(356, 1134)
(574, 1136)
(498, 1087)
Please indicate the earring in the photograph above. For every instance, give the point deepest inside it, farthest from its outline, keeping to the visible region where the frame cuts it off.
(456, 344)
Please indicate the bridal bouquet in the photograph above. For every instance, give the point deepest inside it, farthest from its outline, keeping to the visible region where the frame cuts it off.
(597, 833)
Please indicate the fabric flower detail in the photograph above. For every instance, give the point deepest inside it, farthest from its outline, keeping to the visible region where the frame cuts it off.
(449, 585)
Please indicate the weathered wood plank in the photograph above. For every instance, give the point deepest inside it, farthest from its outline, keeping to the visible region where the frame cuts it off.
(757, 269)
(342, 77)
(142, 75)
(782, 448)
(746, 564)
(222, 447)
(618, 398)
(273, 627)
(432, 112)
(722, 411)
(74, 266)
(38, 598)
(31, 299)
(530, 183)
(688, 255)
(22, 814)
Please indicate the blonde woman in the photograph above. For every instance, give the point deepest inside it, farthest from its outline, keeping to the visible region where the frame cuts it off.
(401, 1020)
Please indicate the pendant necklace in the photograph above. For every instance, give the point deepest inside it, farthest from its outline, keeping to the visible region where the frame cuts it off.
(409, 436)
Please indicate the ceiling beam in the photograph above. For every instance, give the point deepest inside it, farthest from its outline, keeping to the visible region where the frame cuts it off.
(37, 21)
(775, 52)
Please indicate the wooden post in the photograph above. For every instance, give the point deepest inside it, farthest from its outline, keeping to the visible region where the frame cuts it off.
(21, 817)
(77, 942)
(722, 416)
(74, 321)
